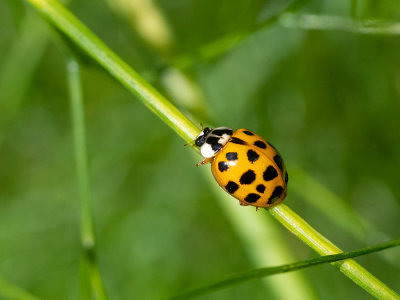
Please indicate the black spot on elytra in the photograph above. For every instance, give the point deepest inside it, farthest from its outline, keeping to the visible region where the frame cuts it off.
(232, 187)
(222, 166)
(221, 132)
(248, 177)
(270, 173)
(275, 195)
(260, 144)
(260, 188)
(236, 140)
(231, 156)
(278, 161)
(252, 156)
(286, 178)
(251, 198)
(248, 132)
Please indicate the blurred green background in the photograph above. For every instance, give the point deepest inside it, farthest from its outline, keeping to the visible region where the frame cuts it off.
(329, 100)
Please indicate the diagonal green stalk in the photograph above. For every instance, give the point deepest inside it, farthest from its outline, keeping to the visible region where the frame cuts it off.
(349, 267)
(262, 272)
(359, 228)
(307, 187)
(59, 16)
(65, 22)
(90, 272)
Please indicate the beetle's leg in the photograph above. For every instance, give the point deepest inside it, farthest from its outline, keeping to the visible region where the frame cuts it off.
(205, 161)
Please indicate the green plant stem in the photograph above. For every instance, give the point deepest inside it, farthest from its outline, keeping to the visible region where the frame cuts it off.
(87, 229)
(262, 272)
(339, 23)
(295, 224)
(78, 126)
(63, 20)
(305, 186)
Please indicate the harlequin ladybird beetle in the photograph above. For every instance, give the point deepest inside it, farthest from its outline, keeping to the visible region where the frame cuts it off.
(245, 165)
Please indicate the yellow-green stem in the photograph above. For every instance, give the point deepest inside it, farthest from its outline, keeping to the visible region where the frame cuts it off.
(295, 224)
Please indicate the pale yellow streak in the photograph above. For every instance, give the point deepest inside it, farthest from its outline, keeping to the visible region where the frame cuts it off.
(147, 19)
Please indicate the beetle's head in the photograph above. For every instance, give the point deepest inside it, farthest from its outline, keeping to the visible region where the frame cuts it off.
(201, 138)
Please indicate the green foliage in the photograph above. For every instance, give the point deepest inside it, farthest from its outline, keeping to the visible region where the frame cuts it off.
(328, 100)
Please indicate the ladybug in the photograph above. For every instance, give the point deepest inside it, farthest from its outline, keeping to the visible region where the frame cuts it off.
(245, 165)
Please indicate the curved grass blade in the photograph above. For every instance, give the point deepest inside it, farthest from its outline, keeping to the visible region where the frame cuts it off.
(358, 227)
(263, 272)
(315, 240)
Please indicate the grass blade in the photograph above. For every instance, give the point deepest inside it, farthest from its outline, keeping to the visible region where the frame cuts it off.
(295, 224)
(262, 272)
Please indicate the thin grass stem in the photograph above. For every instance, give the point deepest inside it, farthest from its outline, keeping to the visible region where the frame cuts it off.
(90, 267)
